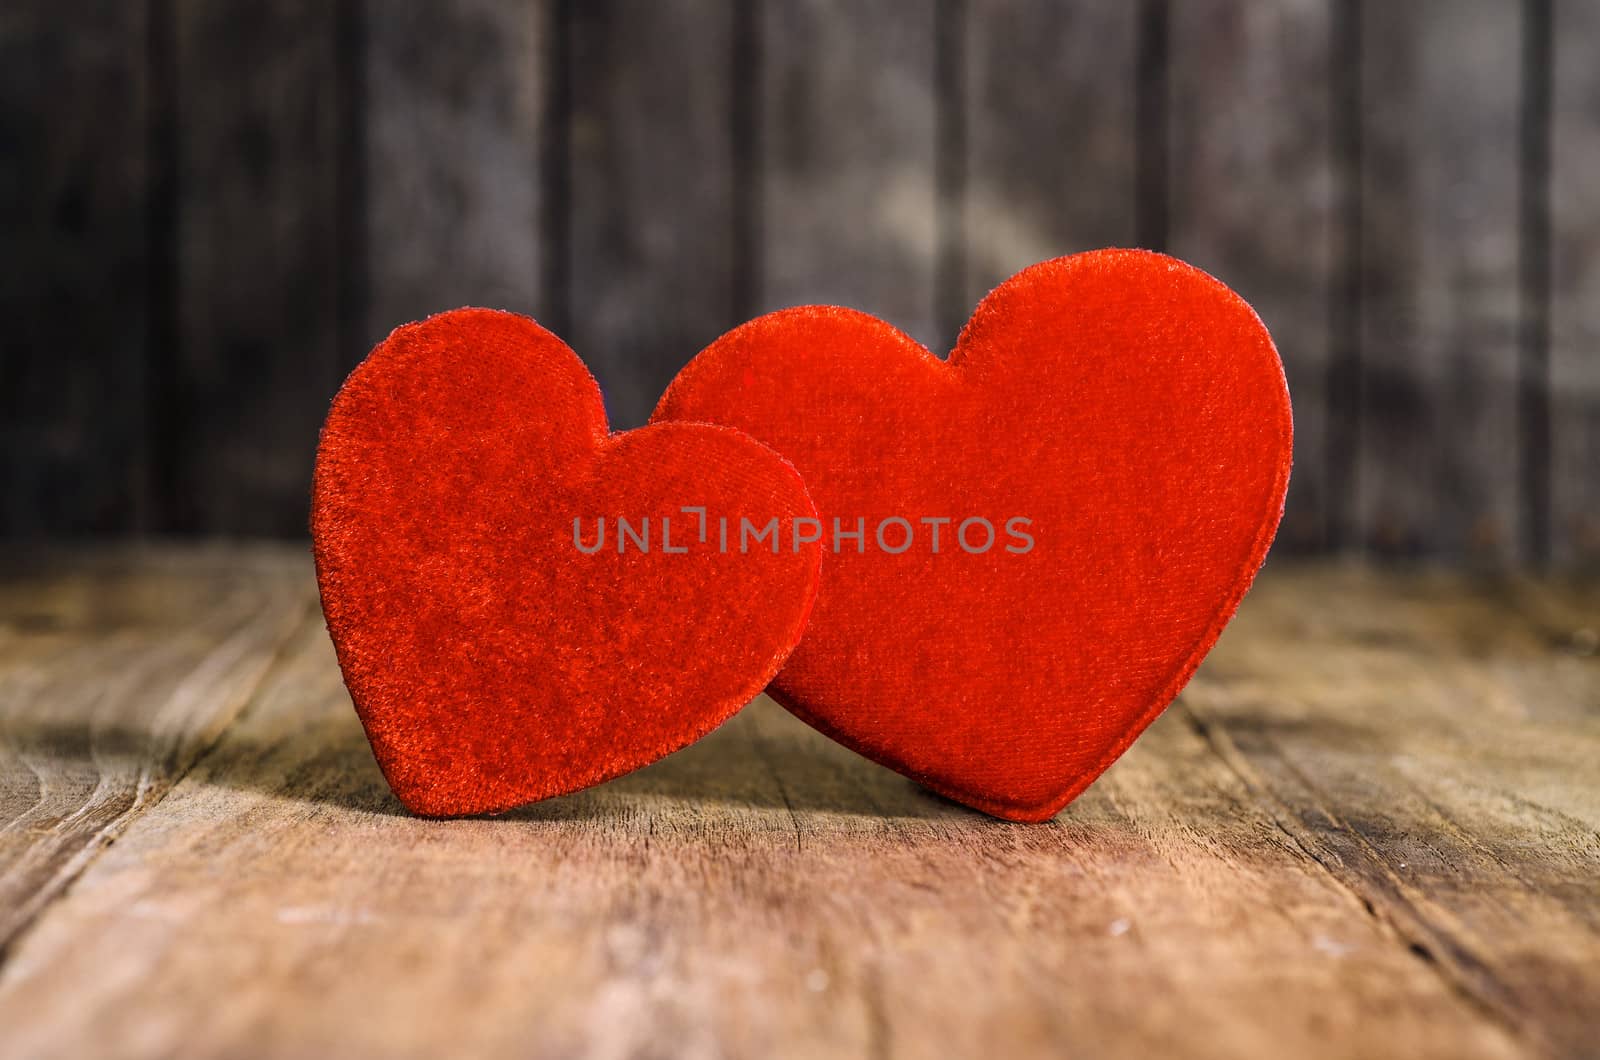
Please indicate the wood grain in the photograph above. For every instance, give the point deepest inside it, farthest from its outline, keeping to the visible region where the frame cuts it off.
(214, 208)
(1471, 823)
(116, 671)
(651, 171)
(1439, 440)
(1575, 280)
(848, 159)
(1050, 118)
(73, 182)
(1252, 197)
(455, 133)
(1368, 828)
(258, 358)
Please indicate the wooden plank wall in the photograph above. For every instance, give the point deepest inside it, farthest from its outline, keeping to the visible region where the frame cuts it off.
(212, 208)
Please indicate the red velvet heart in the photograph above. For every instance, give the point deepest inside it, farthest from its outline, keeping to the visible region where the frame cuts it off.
(491, 660)
(1131, 408)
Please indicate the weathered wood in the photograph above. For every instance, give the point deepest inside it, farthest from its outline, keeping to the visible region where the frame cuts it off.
(116, 671)
(1575, 286)
(259, 261)
(848, 159)
(455, 126)
(1439, 441)
(213, 208)
(764, 892)
(1436, 752)
(73, 172)
(1252, 196)
(1369, 828)
(651, 272)
(1050, 130)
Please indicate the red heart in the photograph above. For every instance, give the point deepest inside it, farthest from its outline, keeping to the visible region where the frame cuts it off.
(1130, 406)
(491, 661)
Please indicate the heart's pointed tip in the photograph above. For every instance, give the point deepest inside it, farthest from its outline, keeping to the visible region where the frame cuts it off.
(1019, 814)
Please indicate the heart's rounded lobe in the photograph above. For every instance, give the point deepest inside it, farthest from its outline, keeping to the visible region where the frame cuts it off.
(491, 659)
(1128, 408)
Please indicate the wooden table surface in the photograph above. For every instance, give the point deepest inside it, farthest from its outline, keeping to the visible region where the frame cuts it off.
(1370, 827)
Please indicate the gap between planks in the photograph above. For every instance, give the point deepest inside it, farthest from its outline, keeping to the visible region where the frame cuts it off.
(184, 678)
(770, 852)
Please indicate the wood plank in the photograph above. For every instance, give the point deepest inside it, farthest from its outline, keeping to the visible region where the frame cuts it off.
(73, 171)
(1575, 281)
(1051, 133)
(651, 167)
(1435, 750)
(766, 891)
(259, 261)
(1252, 197)
(1439, 441)
(848, 160)
(116, 671)
(456, 95)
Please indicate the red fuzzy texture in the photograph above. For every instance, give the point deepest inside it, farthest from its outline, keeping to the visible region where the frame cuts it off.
(490, 660)
(1132, 407)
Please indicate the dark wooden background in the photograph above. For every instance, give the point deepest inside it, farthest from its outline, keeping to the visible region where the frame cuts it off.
(212, 208)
